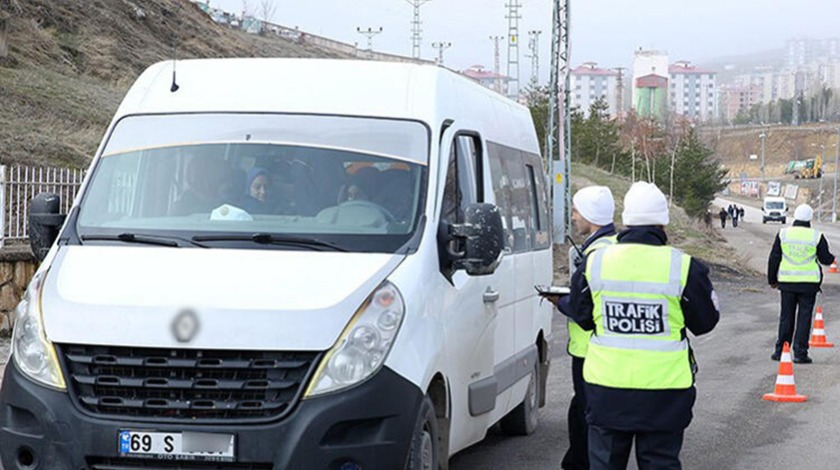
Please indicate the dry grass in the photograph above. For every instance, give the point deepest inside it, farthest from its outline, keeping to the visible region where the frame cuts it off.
(71, 61)
(684, 232)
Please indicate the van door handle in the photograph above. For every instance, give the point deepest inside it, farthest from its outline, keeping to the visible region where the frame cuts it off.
(490, 295)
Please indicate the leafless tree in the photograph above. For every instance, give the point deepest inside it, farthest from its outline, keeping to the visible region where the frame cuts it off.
(268, 8)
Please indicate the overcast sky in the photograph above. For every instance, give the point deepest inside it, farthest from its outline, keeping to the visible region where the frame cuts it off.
(604, 31)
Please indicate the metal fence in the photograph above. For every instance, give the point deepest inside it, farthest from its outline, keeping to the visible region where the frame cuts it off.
(19, 184)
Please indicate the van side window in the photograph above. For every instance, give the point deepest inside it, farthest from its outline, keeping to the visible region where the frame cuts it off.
(539, 199)
(462, 176)
(501, 189)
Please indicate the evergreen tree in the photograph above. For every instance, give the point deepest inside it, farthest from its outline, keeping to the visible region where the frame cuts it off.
(697, 176)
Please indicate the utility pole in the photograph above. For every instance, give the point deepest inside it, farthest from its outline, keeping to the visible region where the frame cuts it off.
(497, 62)
(416, 30)
(441, 46)
(763, 137)
(369, 33)
(534, 47)
(513, 18)
(619, 91)
(558, 141)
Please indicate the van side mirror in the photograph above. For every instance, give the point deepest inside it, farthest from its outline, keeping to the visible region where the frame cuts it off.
(45, 222)
(481, 237)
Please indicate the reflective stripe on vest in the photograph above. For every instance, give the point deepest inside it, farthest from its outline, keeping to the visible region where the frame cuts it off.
(578, 337)
(638, 341)
(799, 255)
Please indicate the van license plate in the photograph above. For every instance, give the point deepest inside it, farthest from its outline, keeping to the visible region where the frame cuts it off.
(177, 445)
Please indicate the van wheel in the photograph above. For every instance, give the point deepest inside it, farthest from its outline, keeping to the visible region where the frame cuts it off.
(523, 420)
(784, 221)
(424, 453)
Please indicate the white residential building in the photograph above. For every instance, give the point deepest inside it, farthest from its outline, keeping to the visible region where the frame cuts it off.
(590, 83)
(692, 92)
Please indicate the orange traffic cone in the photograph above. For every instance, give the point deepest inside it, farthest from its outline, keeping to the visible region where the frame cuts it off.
(818, 339)
(785, 390)
(833, 267)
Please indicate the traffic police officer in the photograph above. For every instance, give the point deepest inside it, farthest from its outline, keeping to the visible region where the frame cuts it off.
(793, 269)
(593, 210)
(640, 296)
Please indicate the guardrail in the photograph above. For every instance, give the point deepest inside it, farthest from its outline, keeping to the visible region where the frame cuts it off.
(19, 184)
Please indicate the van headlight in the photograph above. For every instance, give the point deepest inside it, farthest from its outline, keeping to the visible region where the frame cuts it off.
(34, 354)
(363, 345)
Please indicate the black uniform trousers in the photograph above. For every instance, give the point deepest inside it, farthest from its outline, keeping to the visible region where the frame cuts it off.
(609, 449)
(577, 457)
(802, 320)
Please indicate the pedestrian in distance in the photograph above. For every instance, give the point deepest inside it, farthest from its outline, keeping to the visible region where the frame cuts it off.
(794, 268)
(723, 216)
(641, 297)
(593, 209)
(741, 213)
(735, 214)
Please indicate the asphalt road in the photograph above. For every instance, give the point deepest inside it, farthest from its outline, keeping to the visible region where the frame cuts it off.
(733, 428)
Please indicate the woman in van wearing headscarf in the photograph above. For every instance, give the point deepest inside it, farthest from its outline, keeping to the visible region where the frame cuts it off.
(257, 185)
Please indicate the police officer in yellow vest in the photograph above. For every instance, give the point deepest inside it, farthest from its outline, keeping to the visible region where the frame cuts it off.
(793, 268)
(593, 210)
(640, 297)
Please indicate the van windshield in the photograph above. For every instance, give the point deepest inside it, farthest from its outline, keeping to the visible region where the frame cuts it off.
(774, 205)
(241, 180)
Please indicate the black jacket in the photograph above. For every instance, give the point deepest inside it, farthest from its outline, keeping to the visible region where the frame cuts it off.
(647, 410)
(824, 256)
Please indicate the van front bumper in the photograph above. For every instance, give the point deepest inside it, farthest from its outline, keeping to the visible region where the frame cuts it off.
(369, 425)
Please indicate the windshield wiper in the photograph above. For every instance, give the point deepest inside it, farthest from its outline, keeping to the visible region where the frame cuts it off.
(159, 240)
(270, 239)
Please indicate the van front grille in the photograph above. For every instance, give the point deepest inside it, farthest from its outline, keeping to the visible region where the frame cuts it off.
(186, 384)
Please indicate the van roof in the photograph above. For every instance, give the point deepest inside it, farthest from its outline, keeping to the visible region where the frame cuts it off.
(419, 92)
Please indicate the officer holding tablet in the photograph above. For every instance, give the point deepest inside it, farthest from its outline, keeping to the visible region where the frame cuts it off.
(593, 209)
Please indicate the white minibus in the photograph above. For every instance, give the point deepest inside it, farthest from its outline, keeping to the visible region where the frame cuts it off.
(287, 264)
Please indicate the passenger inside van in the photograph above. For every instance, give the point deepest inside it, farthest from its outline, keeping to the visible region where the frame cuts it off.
(256, 196)
(204, 179)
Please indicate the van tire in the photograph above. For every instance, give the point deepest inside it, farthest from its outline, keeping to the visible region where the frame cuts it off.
(523, 420)
(424, 453)
(784, 221)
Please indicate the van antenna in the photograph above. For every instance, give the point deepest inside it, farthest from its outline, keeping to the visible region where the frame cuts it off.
(174, 86)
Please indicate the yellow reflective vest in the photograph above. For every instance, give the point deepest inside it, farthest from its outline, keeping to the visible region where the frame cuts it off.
(578, 337)
(638, 343)
(799, 255)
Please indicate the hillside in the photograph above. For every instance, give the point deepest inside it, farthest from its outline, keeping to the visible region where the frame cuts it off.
(685, 233)
(71, 61)
(783, 143)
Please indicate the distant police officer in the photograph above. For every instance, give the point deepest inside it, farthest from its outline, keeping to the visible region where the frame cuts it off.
(793, 268)
(593, 210)
(639, 296)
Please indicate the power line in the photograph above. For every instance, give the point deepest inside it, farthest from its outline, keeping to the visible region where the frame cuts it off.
(416, 30)
(370, 33)
(441, 46)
